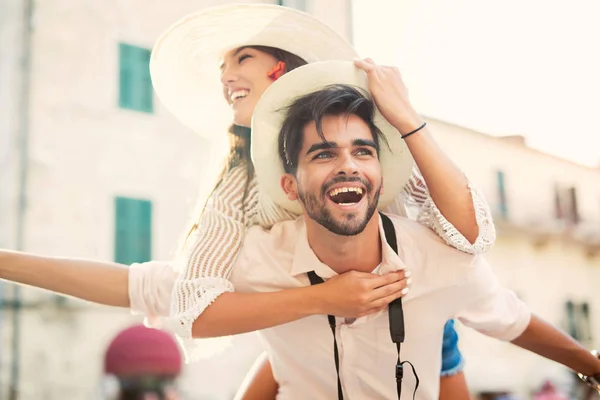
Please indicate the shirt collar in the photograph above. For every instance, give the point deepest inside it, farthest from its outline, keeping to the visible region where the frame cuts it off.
(306, 260)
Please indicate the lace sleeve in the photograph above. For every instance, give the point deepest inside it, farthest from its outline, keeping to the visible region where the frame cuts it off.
(205, 263)
(210, 252)
(417, 195)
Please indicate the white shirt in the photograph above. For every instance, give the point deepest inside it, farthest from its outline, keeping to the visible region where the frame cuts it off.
(215, 240)
(447, 284)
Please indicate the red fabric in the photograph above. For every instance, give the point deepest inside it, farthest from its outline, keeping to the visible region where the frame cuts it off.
(143, 351)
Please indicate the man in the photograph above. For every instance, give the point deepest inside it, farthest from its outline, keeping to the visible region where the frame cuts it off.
(328, 150)
(141, 364)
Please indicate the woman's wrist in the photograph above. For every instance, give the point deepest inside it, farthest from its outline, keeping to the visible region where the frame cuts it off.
(593, 380)
(314, 300)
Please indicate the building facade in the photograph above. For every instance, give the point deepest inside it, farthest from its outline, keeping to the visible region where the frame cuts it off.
(92, 166)
(547, 215)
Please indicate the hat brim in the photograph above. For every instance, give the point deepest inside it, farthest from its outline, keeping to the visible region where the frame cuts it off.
(184, 62)
(396, 160)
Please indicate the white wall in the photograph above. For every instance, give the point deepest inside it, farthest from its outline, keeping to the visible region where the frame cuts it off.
(84, 151)
(529, 175)
(544, 276)
(11, 21)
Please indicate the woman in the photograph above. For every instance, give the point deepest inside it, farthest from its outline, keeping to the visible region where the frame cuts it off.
(204, 304)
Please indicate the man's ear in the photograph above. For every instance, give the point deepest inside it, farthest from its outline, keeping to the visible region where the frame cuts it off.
(288, 184)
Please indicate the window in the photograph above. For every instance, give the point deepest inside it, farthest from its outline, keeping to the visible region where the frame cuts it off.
(585, 325)
(578, 321)
(565, 204)
(297, 4)
(572, 199)
(135, 86)
(133, 230)
(502, 203)
(571, 322)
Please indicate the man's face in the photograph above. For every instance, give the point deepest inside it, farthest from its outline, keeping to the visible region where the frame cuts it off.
(338, 182)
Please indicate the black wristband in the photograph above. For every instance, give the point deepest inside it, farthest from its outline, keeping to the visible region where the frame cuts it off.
(415, 131)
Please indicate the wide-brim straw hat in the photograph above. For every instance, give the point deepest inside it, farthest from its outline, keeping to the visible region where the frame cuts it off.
(184, 65)
(269, 114)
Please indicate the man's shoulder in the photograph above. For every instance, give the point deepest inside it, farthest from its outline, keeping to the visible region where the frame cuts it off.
(267, 256)
(419, 236)
(436, 263)
(282, 236)
(400, 220)
(407, 225)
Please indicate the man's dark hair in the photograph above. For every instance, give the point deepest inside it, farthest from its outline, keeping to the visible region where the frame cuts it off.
(331, 100)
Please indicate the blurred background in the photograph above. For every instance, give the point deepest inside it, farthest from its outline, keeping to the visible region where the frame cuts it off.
(91, 165)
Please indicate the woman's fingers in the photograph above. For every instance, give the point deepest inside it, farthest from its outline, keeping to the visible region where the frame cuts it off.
(376, 281)
(385, 294)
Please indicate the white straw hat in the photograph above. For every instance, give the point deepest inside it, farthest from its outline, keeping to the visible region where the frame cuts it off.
(396, 161)
(184, 63)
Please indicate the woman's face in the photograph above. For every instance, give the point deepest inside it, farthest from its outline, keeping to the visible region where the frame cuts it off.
(244, 76)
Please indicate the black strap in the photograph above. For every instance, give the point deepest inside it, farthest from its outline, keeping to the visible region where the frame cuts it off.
(315, 280)
(396, 313)
(396, 319)
(395, 308)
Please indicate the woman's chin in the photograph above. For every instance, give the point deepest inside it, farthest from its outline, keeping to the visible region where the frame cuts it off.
(244, 124)
(242, 120)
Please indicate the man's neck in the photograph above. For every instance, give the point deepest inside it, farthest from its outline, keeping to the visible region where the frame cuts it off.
(361, 252)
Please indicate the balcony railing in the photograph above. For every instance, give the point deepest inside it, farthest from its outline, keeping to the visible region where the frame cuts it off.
(541, 229)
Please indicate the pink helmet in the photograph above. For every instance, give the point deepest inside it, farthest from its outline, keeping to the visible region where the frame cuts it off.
(142, 351)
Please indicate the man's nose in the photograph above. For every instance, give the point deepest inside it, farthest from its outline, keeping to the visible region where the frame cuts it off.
(347, 165)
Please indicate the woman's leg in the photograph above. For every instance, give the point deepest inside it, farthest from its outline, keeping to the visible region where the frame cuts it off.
(260, 383)
(453, 385)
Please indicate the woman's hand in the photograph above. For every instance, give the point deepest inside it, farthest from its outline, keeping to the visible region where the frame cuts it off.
(390, 95)
(356, 294)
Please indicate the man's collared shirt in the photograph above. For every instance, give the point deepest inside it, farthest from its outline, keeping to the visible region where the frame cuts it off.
(446, 284)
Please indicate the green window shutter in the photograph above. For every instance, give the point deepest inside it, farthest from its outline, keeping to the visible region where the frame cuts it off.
(502, 200)
(133, 230)
(135, 85)
(297, 4)
(125, 78)
(146, 90)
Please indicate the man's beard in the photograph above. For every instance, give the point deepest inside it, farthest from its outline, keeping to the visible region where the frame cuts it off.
(316, 208)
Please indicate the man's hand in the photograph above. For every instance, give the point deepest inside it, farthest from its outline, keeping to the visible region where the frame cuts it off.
(390, 95)
(356, 294)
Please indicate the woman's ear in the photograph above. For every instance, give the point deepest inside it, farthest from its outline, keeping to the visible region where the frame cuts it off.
(277, 71)
(288, 184)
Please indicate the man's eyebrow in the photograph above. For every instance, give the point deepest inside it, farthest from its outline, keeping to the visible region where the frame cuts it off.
(238, 51)
(321, 146)
(364, 142)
